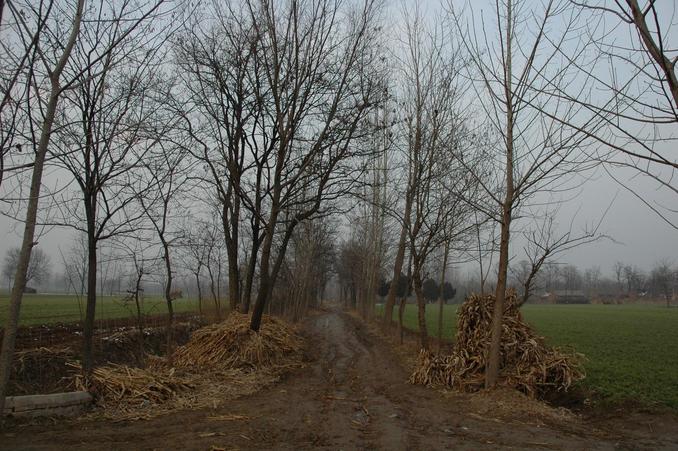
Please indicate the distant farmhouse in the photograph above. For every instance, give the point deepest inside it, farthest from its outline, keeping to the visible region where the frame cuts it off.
(566, 297)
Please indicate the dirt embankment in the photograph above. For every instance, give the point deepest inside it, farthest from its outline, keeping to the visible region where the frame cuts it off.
(353, 394)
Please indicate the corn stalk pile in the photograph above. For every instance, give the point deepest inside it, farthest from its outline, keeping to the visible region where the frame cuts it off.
(116, 385)
(231, 344)
(527, 363)
(220, 362)
(43, 369)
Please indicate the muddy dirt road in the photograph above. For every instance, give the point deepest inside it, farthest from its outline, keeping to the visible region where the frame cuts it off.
(353, 394)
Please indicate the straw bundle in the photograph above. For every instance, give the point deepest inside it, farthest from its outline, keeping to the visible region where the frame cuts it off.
(527, 363)
(220, 362)
(231, 344)
(119, 385)
(41, 370)
(47, 359)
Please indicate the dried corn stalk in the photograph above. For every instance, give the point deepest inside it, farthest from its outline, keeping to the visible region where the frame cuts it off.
(120, 384)
(231, 344)
(527, 363)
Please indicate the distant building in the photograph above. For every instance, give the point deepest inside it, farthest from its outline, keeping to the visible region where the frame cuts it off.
(569, 297)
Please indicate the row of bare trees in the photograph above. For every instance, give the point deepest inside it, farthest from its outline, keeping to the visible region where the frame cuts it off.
(136, 109)
(626, 281)
(56, 61)
(278, 96)
(534, 126)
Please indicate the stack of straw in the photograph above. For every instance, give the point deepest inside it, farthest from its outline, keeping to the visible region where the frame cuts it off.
(119, 385)
(231, 344)
(527, 363)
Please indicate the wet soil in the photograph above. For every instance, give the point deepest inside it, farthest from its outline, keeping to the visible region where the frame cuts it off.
(353, 394)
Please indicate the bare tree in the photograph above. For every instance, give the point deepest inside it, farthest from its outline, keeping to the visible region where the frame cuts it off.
(403, 300)
(441, 291)
(618, 269)
(135, 294)
(544, 244)
(219, 66)
(635, 279)
(347, 266)
(38, 268)
(136, 250)
(20, 54)
(429, 94)
(374, 199)
(429, 117)
(592, 279)
(195, 245)
(404, 221)
(484, 248)
(513, 68)
(214, 258)
(159, 192)
(663, 278)
(317, 77)
(649, 57)
(276, 92)
(54, 69)
(106, 128)
(572, 279)
(306, 271)
(75, 268)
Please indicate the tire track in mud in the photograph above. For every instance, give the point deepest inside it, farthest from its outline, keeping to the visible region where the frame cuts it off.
(349, 394)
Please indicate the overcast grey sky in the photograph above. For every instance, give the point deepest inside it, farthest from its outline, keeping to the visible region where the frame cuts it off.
(642, 238)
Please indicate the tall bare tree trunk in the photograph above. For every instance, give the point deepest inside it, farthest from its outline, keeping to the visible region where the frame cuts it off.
(494, 356)
(197, 281)
(27, 243)
(233, 283)
(441, 295)
(256, 244)
(249, 278)
(403, 301)
(421, 308)
(140, 317)
(494, 353)
(264, 284)
(269, 273)
(232, 253)
(399, 260)
(91, 301)
(168, 299)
